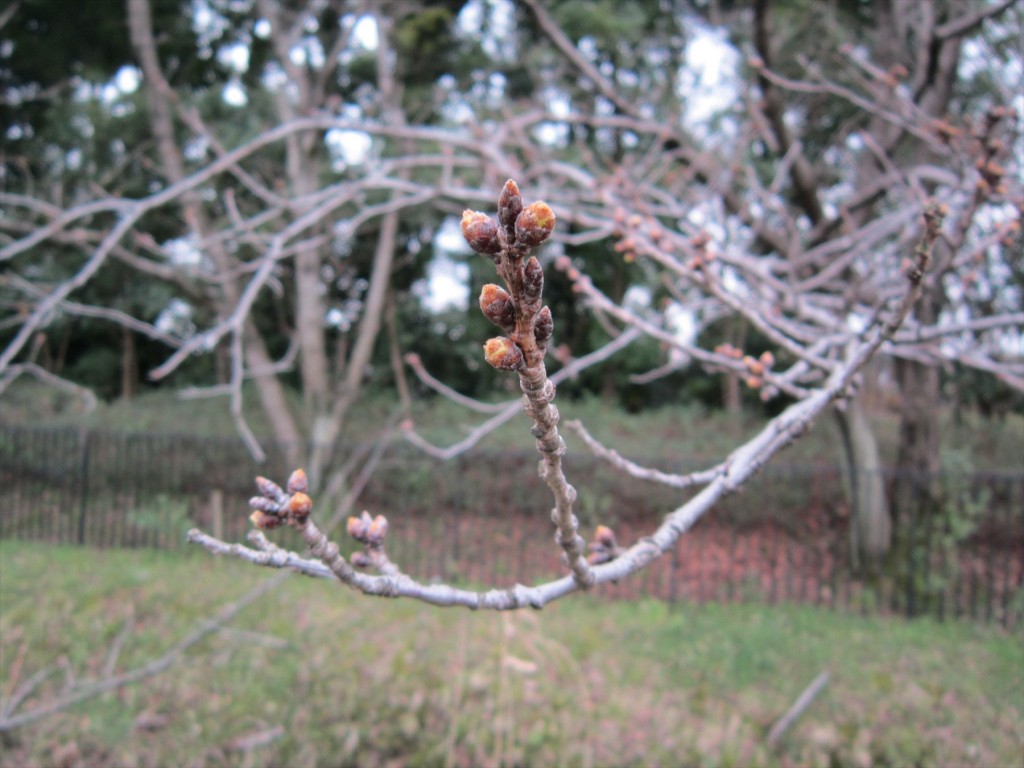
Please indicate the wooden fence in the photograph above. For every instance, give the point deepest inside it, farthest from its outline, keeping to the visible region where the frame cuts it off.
(483, 519)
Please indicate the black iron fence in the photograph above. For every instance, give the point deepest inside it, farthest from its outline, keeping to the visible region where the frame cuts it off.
(482, 519)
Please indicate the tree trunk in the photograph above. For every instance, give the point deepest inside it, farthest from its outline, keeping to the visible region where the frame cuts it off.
(160, 96)
(309, 309)
(932, 76)
(395, 352)
(328, 427)
(917, 457)
(870, 521)
(732, 393)
(129, 364)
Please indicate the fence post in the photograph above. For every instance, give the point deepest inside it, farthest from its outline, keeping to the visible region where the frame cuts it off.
(83, 480)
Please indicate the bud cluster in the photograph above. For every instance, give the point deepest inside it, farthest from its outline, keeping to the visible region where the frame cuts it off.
(757, 367)
(518, 311)
(702, 255)
(636, 234)
(522, 227)
(367, 530)
(728, 350)
(991, 173)
(276, 507)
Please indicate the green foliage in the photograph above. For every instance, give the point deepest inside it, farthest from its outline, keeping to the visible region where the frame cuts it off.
(926, 560)
(611, 23)
(56, 45)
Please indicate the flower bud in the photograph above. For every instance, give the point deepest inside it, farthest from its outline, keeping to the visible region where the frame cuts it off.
(377, 530)
(271, 490)
(533, 280)
(299, 506)
(510, 203)
(298, 482)
(481, 232)
(263, 521)
(604, 536)
(498, 307)
(504, 354)
(543, 326)
(534, 224)
(357, 526)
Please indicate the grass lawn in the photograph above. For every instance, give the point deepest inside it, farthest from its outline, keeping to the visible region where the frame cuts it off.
(314, 675)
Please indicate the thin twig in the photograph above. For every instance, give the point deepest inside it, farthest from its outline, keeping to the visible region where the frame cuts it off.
(799, 706)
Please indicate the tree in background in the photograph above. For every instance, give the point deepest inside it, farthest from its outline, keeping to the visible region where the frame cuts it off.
(840, 179)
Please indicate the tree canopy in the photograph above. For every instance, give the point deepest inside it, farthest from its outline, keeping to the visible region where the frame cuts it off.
(206, 193)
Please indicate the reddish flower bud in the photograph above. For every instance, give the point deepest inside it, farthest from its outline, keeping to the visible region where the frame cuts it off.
(498, 307)
(298, 482)
(605, 536)
(543, 326)
(533, 280)
(481, 232)
(356, 527)
(510, 203)
(263, 521)
(767, 359)
(754, 366)
(299, 506)
(534, 224)
(377, 530)
(504, 354)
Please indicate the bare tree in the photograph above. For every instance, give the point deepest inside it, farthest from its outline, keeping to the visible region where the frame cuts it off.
(830, 286)
(826, 255)
(895, 249)
(518, 310)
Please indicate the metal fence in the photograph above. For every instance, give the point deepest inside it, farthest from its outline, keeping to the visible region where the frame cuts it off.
(482, 519)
